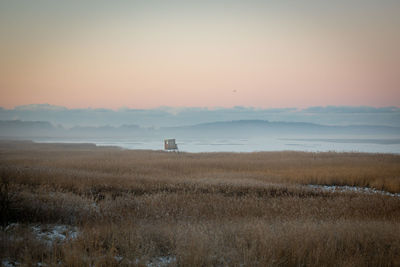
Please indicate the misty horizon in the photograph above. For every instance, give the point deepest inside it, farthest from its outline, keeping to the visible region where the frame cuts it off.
(200, 131)
(186, 116)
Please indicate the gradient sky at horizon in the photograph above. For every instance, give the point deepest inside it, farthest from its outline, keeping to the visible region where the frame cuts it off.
(145, 54)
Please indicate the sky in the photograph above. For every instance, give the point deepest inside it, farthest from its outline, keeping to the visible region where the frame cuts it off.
(147, 54)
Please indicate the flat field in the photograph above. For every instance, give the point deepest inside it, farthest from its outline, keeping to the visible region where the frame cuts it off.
(82, 205)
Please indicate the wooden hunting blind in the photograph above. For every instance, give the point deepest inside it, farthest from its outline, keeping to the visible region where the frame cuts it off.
(170, 144)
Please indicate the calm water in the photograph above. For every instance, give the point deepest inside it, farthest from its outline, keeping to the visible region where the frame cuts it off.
(374, 145)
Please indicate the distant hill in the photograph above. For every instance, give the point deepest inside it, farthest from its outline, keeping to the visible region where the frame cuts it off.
(21, 129)
(254, 128)
(17, 129)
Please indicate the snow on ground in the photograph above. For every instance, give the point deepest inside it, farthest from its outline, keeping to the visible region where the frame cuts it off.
(11, 226)
(7, 263)
(161, 261)
(54, 233)
(154, 262)
(47, 233)
(356, 189)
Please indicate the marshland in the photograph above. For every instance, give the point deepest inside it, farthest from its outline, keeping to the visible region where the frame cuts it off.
(117, 207)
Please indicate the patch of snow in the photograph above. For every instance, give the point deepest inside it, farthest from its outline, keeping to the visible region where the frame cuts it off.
(161, 261)
(357, 189)
(55, 233)
(155, 262)
(7, 263)
(11, 226)
(118, 258)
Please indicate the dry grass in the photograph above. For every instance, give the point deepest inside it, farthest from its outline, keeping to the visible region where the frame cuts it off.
(134, 208)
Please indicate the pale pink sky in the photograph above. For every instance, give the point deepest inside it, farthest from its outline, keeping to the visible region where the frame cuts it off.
(144, 56)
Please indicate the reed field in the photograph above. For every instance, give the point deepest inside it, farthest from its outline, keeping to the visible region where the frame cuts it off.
(119, 207)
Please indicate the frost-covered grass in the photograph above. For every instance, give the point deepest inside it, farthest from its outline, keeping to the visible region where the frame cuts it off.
(86, 206)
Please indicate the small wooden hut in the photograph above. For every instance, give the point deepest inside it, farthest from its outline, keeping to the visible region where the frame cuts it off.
(170, 144)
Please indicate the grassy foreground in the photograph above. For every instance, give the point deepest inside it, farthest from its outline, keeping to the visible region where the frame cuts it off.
(152, 208)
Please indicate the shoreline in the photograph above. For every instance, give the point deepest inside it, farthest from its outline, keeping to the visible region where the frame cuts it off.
(227, 147)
